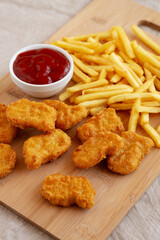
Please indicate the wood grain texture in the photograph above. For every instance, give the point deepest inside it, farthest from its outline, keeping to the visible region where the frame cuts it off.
(20, 191)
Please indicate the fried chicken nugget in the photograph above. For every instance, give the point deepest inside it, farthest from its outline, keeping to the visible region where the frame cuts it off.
(67, 116)
(24, 113)
(96, 148)
(40, 149)
(67, 190)
(129, 157)
(7, 159)
(7, 131)
(105, 120)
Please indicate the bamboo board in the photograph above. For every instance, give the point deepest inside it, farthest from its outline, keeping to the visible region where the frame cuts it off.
(115, 194)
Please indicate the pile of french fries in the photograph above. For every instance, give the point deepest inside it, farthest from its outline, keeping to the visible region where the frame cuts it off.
(112, 71)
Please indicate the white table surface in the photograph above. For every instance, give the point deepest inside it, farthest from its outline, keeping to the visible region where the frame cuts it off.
(27, 22)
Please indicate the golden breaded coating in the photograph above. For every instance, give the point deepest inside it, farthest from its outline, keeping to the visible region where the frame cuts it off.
(67, 116)
(40, 149)
(24, 113)
(68, 190)
(7, 131)
(96, 148)
(105, 120)
(7, 159)
(129, 157)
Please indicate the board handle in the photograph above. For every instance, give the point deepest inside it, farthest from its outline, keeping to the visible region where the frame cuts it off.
(149, 24)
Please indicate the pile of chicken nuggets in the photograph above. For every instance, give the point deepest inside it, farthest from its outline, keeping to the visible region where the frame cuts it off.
(103, 137)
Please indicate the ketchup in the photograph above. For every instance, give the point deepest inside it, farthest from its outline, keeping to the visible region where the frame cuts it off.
(41, 66)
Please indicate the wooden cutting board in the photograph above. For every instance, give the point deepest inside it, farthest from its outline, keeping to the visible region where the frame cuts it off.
(115, 194)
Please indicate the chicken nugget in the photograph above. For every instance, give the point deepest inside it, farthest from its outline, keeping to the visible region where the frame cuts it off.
(68, 190)
(67, 116)
(40, 149)
(7, 131)
(129, 157)
(7, 159)
(96, 148)
(105, 120)
(24, 113)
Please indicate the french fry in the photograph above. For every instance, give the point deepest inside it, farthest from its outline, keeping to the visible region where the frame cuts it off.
(78, 54)
(94, 103)
(142, 79)
(92, 45)
(144, 118)
(134, 116)
(101, 95)
(152, 133)
(130, 61)
(123, 81)
(147, 40)
(97, 39)
(103, 74)
(148, 74)
(91, 40)
(65, 95)
(125, 41)
(73, 97)
(149, 109)
(119, 71)
(117, 40)
(134, 44)
(148, 77)
(127, 96)
(157, 57)
(84, 67)
(110, 49)
(101, 67)
(108, 88)
(127, 73)
(101, 35)
(128, 106)
(119, 57)
(152, 69)
(104, 47)
(137, 69)
(96, 59)
(151, 104)
(116, 78)
(146, 56)
(134, 74)
(73, 47)
(152, 88)
(94, 78)
(76, 88)
(106, 56)
(145, 86)
(95, 110)
(81, 75)
(76, 79)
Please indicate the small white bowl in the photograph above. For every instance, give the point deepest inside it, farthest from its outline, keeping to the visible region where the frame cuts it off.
(45, 90)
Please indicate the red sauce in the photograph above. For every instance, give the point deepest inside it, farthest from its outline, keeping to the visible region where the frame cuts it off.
(41, 66)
